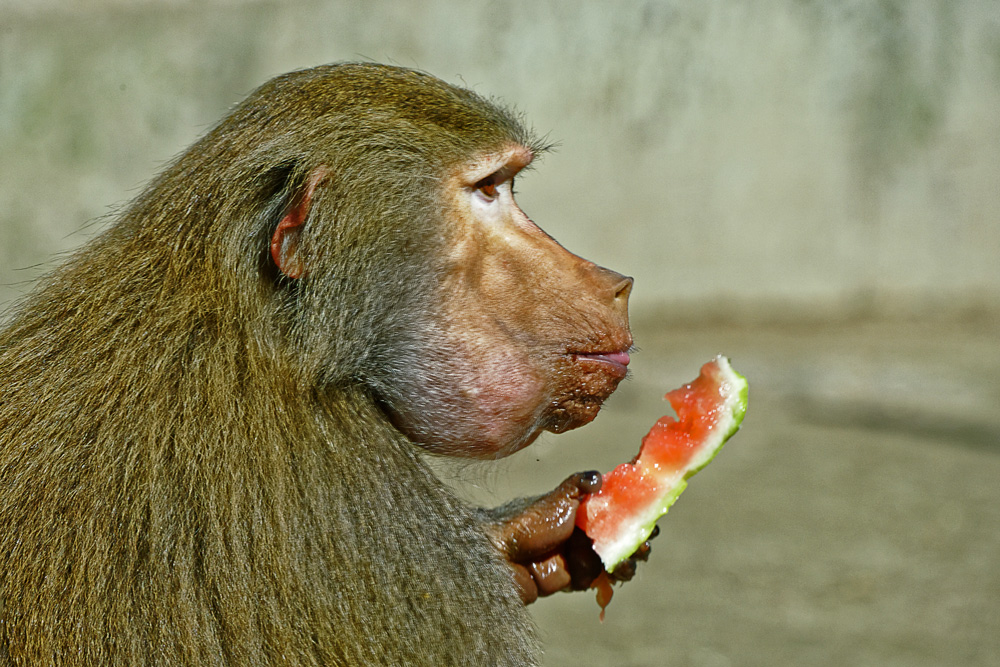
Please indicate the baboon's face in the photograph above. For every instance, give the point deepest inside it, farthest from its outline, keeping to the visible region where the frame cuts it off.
(531, 336)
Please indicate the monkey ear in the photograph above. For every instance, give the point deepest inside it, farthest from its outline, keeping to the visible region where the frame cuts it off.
(285, 241)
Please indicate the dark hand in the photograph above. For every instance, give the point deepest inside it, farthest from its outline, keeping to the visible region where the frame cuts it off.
(544, 548)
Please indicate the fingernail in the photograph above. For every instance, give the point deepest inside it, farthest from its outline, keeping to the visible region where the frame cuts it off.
(590, 481)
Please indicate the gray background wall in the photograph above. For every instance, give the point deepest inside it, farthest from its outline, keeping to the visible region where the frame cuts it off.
(759, 159)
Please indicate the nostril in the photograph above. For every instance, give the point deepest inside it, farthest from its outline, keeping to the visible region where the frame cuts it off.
(623, 289)
(606, 285)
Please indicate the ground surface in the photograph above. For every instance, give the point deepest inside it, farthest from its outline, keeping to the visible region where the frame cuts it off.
(855, 519)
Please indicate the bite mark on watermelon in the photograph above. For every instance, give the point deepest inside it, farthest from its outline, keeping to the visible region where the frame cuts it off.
(621, 516)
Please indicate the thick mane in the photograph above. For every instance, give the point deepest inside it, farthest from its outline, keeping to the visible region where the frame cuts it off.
(175, 488)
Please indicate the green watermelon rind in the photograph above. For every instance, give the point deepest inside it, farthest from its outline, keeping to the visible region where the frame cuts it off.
(613, 553)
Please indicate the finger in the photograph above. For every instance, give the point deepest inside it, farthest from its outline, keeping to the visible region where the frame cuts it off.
(550, 575)
(548, 521)
(589, 481)
(642, 553)
(525, 583)
(539, 529)
(624, 571)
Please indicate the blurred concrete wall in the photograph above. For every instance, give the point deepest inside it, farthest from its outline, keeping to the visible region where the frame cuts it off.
(765, 158)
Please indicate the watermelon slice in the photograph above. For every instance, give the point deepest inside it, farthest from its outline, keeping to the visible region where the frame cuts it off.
(621, 516)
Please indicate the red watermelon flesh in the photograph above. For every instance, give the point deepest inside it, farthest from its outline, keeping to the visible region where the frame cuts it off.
(621, 516)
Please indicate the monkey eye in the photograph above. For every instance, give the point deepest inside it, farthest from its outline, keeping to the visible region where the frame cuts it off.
(488, 186)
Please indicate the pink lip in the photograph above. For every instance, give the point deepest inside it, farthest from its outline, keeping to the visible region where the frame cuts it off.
(617, 360)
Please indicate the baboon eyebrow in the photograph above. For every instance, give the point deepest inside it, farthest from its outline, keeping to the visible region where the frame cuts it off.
(500, 166)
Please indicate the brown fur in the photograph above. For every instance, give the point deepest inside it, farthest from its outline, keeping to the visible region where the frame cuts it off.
(196, 466)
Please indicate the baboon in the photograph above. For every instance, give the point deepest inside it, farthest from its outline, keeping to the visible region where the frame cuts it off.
(215, 416)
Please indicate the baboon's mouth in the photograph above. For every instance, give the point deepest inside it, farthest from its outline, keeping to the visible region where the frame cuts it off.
(615, 362)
